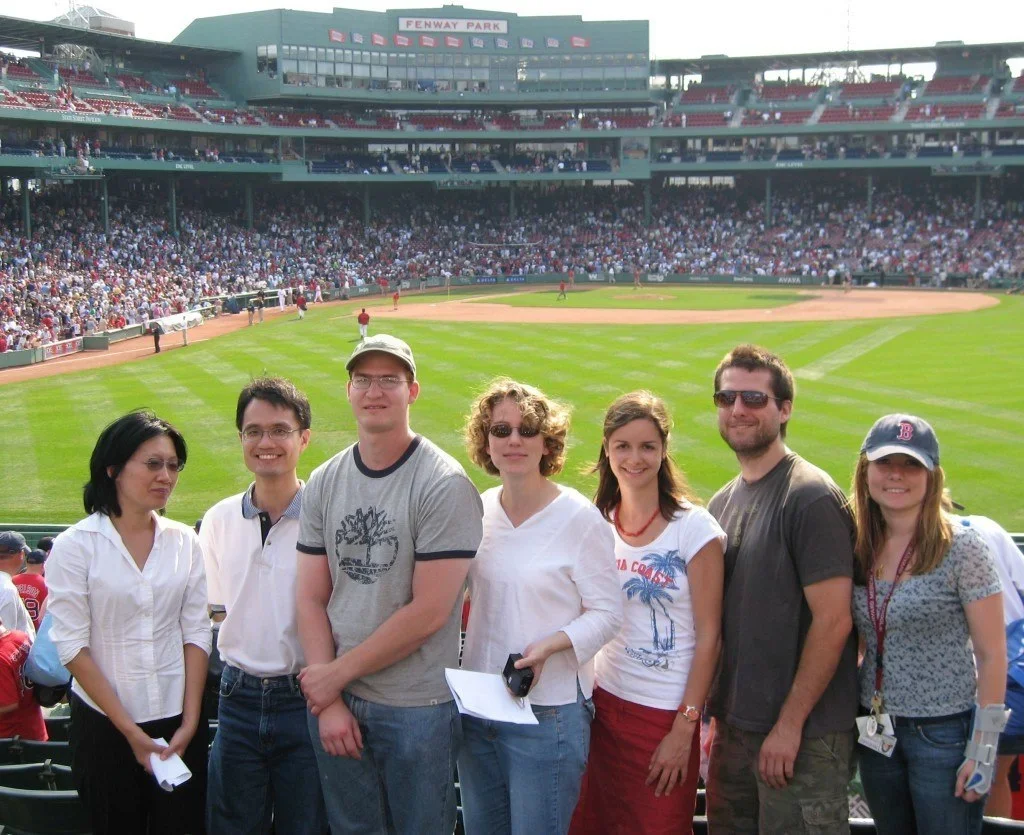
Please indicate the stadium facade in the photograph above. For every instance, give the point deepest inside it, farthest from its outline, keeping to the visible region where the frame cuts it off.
(457, 98)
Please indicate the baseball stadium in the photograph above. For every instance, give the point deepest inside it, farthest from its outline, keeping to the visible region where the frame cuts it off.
(527, 197)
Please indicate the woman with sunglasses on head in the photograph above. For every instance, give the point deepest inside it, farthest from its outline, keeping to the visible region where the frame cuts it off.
(927, 602)
(653, 677)
(128, 605)
(543, 584)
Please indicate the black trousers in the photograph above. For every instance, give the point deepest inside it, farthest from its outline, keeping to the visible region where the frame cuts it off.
(121, 796)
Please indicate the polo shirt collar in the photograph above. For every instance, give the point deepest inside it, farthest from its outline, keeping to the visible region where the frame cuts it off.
(250, 511)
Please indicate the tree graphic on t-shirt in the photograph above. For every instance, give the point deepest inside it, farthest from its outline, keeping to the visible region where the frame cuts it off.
(373, 529)
(657, 577)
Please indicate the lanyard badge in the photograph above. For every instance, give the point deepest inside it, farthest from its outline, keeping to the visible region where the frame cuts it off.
(876, 729)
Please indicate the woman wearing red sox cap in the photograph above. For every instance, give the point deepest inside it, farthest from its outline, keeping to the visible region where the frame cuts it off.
(926, 603)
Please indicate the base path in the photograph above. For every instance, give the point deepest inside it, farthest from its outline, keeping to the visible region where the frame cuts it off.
(821, 305)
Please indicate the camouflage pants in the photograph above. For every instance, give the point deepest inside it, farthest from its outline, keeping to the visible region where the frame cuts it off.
(815, 801)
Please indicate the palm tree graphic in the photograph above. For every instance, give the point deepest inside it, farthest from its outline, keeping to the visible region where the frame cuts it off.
(654, 594)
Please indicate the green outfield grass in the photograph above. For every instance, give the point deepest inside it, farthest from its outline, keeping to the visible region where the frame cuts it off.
(962, 372)
(655, 297)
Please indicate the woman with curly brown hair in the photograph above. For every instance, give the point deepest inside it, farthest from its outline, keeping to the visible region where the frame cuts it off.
(543, 584)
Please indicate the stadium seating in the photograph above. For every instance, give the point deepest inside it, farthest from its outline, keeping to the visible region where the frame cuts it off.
(57, 728)
(41, 810)
(699, 119)
(135, 83)
(870, 90)
(22, 751)
(857, 114)
(956, 85)
(174, 111)
(116, 107)
(794, 92)
(195, 88)
(786, 117)
(706, 94)
(82, 78)
(944, 112)
(21, 72)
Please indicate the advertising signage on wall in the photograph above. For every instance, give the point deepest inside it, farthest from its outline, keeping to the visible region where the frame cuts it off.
(451, 24)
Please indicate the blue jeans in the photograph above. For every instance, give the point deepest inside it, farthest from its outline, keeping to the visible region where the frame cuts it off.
(262, 764)
(405, 780)
(912, 791)
(525, 779)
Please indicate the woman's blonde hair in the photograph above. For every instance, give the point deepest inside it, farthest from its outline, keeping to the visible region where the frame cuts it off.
(673, 491)
(537, 410)
(934, 532)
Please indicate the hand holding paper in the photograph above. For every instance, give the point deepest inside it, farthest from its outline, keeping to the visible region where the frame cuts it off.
(170, 772)
(485, 696)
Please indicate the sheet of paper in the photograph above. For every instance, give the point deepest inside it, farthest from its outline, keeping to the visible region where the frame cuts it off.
(485, 696)
(170, 772)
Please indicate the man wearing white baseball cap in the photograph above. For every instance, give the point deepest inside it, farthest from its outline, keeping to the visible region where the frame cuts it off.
(387, 529)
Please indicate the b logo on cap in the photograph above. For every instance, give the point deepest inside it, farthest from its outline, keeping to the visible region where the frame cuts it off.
(906, 432)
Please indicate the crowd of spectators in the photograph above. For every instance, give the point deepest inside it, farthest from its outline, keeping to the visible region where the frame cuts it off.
(71, 279)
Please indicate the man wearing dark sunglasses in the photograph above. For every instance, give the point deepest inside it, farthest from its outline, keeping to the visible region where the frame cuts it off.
(785, 695)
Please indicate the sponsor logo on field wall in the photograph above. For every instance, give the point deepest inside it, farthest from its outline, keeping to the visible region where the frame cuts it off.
(789, 279)
(743, 279)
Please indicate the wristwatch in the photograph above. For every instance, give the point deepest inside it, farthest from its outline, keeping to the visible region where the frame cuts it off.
(691, 713)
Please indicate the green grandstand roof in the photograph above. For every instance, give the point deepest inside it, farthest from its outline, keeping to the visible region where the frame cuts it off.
(18, 33)
(863, 57)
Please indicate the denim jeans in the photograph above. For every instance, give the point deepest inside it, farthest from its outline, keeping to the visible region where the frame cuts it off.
(262, 764)
(525, 779)
(912, 791)
(404, 782)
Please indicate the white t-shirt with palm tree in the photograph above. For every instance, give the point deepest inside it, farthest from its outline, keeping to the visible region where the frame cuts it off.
(648, 661)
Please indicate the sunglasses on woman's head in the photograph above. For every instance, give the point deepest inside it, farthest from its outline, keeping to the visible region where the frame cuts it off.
(504, 430)
(751, 399)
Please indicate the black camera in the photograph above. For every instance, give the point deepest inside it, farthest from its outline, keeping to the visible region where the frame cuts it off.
(518, 682)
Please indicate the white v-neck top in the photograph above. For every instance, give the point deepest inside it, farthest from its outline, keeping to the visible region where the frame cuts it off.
(554, 572)
(134, 623)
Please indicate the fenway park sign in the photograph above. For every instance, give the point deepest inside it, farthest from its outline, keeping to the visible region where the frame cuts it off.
(452, 24)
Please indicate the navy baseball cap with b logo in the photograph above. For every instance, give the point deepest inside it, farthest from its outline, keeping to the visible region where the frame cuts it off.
(902, 434)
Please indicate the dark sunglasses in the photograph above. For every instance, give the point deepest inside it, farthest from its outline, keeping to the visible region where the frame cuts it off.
(504, 430)
(751, 399)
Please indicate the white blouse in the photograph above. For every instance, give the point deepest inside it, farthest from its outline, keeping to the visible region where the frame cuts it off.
(554, 572)
(134, 623)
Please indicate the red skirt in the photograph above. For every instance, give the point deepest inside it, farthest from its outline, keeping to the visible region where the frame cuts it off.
(614, 799)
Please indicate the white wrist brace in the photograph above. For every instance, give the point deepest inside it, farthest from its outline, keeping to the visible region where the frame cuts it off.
(982, 746)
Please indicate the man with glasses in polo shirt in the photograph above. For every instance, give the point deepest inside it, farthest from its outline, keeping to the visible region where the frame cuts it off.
(262, 764)
(785, 694)
(388, 528)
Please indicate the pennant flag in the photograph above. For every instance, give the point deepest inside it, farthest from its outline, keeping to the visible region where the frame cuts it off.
(428, 40)
(452, 41)
(378, 40)
(402, 40)
(576, 42)
(551, 43)
(476, 43)
(358, 38)
(501, 43)
(526, 43)
(336, 36)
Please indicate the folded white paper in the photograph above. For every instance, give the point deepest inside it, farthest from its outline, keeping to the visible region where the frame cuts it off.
(485, 696)
(170, 772)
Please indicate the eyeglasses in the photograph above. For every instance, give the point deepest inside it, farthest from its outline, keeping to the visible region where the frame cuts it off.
(155, 465)
(278, 433)
(504, 430)
(751, 399)
(387, 382)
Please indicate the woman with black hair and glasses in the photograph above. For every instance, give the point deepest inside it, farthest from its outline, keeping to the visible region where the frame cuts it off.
(543, 584)
(128, 605)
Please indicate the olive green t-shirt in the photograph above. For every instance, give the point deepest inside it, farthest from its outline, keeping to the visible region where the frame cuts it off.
(788, 530)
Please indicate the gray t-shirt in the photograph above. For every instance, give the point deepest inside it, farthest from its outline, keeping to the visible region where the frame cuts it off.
(790, 529)
(929, 659)
(373, 526)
